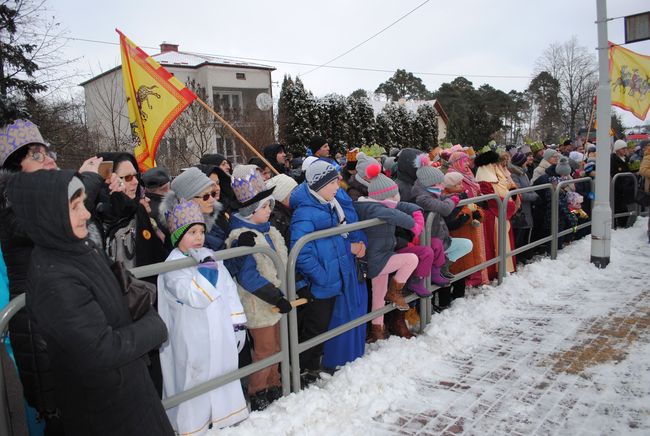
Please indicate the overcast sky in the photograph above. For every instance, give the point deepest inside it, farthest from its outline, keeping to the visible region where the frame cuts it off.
(472, 38)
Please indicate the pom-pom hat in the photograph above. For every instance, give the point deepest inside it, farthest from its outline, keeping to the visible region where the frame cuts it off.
(381, 187)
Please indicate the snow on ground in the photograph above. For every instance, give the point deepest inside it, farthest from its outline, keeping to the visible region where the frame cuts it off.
(560, 348)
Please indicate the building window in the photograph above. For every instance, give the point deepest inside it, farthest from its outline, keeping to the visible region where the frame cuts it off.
(228, 102)
(226, 147)
(240, 76)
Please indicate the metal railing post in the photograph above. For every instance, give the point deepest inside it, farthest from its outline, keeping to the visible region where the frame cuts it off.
(502, 237)
(5, 315)
(555, 214)
(294, 343)
(612, 197)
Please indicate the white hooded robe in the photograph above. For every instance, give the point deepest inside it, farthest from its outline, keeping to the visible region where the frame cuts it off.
(201, 346)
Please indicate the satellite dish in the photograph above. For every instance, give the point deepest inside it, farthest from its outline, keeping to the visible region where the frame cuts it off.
(264, 101)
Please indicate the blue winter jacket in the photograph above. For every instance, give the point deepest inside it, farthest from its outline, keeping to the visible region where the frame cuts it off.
(323, 262)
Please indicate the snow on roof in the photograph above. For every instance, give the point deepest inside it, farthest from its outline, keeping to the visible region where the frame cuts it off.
(410, 105)
(196, 59)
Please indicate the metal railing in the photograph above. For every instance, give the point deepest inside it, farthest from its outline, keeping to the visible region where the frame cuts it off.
(290, 347)
(612, 198)
(298, 347)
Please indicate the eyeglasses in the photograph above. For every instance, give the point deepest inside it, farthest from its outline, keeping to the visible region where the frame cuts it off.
(128, 177)
(206, 197)
(39, 156)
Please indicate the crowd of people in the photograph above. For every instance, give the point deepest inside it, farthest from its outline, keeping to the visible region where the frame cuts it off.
(95, 356)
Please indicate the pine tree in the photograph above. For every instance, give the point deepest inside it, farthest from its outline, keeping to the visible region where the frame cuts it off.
(338, 121)
(395, 127)
(17, 67)
(284, 117)
(425, 128)
(404, 85)
(299, 129)
(362, 122)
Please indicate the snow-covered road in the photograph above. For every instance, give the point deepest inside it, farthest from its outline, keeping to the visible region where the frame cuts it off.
(560, 348)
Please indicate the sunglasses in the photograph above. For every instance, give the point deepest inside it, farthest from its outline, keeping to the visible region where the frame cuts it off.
(128, 177)
(206, 197)
(39, 156)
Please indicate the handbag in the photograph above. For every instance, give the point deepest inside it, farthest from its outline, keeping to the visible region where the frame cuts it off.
(140, 295)
(362, 269)
(518, 220)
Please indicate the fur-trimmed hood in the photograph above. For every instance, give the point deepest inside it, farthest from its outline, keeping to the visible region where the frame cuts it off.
(171, 199)
(486, 158)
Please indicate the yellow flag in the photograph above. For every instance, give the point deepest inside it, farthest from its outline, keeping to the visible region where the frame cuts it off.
(154, 98)
(630, 74)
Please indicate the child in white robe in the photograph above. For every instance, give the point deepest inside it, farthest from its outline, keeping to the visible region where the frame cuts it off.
(203, 314)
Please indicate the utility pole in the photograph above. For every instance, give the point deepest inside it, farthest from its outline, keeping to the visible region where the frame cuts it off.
(602, 213)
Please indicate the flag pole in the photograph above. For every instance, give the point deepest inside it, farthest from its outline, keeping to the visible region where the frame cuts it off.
(237, 134)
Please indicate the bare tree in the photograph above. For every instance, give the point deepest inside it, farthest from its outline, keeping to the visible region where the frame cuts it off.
(576, 70)
(108, 115)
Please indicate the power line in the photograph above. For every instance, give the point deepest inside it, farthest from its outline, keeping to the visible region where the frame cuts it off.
(305, 64)
(368, 39)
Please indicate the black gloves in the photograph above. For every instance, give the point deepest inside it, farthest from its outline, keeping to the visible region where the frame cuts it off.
(462, 195)
(476, 215)
(246, 239)
(284, 305)
(305, 292)
(274, 297)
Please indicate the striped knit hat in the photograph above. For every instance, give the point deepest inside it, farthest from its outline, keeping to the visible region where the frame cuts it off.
(381, 187)
(319, 174)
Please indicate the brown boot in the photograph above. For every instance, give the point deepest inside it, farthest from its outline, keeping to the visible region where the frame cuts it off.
(397, 325)
(394, 295)
(377, 333)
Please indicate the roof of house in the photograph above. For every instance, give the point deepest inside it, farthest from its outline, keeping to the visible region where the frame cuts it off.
(190, 60)
(412, 106)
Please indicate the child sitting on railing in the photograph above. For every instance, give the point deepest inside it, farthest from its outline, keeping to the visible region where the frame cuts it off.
(204, 317)
(428, 195)
(383, 203)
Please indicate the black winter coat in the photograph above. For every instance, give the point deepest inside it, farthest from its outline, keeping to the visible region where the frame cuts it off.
(29, 346)
(102, 384)
(624, 186)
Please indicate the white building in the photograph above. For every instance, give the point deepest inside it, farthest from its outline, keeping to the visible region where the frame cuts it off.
(238, 90)
(412, 106)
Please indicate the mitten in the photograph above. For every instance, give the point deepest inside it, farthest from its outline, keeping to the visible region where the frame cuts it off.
(455, 199)
(284, 305)
(246, 239)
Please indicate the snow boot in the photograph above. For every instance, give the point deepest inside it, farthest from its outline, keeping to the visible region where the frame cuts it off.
(259, 400)
(444, 297)
(397, 325)
(394, 295)
(444, 269)
(437, 278)
(274, 393)
(416, 284)
(376, 333)
(308, 377)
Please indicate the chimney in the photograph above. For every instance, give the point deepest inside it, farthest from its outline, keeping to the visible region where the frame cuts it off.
(166, 47)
